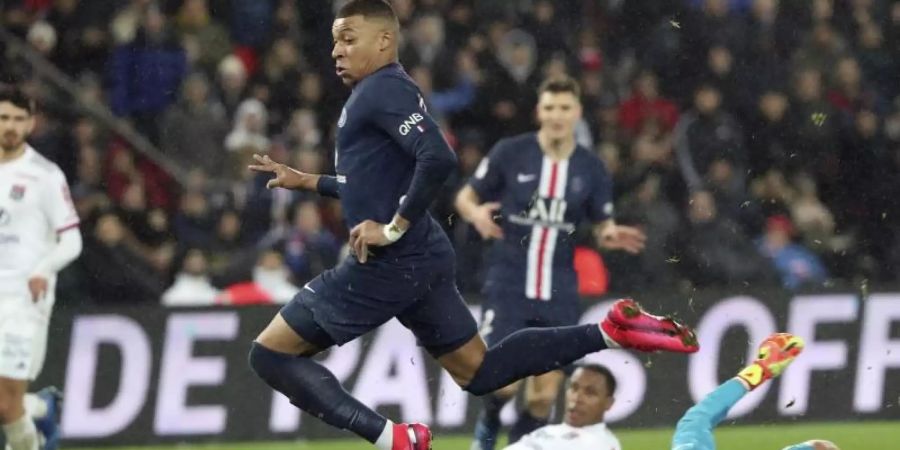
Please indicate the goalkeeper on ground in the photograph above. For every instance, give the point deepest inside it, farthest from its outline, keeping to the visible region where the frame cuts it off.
(694, 430)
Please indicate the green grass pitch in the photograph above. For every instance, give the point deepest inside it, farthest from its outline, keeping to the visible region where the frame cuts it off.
(849, 436)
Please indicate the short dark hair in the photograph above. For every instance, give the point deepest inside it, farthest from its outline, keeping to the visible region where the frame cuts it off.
(17, 97)
(560, 84)
(602, 370)
(367, 8)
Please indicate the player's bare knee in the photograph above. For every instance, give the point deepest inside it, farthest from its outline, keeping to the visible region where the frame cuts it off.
(278, 336)
(463, 363)
(11, 405)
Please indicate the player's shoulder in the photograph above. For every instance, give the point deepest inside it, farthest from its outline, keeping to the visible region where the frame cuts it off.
(388, 84)
(40, 163)
(522, 141)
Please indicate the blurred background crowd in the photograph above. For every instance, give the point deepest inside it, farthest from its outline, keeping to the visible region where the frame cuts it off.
(755, 141)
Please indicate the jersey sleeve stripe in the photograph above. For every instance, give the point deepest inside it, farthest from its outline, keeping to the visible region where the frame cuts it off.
(68, 227)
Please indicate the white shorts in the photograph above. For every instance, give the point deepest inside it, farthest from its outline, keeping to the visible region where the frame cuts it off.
(23, 337)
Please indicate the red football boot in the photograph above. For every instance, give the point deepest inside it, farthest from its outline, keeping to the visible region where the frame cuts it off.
(628, 314)
(629, 326)
(411, 436)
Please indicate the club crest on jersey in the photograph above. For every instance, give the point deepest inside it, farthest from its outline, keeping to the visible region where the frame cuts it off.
(343, 119)
(17, 192)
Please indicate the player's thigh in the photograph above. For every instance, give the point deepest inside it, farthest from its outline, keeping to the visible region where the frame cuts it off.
(442, 322)
(342, 304)
(19, 326)
(23, 331)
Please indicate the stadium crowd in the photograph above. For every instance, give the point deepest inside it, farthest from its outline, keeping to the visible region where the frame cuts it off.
(755, 141)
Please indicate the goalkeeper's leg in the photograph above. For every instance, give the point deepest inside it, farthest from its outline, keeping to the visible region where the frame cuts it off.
(694, 430)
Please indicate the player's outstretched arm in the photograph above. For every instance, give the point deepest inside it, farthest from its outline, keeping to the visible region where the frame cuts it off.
(289, 178)
(694, 430)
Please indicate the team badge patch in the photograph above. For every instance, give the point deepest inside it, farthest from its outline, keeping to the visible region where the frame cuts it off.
(17, 192)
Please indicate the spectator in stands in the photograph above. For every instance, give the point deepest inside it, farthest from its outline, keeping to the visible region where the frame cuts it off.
(823, 48)
(205, 40)
(648, 208)
(84, 39)
(426, 48)
(194, 223)
(194, 128)
(645, 103)
(231, 84)
(815, 128)
(715, 251)
(227, 242)
(114, 267)
(145, 74)
(706, 137)
(510, 90)
(269, 284)
(796, 265)
(249, 129)
(769, 141)
(813, 221)
(192, 285)
(309, 248)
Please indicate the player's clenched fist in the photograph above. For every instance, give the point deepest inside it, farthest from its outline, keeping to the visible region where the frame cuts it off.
(38, 288)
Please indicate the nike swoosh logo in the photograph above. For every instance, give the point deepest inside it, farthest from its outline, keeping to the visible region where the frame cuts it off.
(309, 288)
(524, 178)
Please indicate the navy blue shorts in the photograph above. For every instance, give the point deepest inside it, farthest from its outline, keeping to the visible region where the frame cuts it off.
(352, 299)
(506, 311)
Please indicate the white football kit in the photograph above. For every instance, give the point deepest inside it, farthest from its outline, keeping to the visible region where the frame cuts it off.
(35, 207)
(567, 437)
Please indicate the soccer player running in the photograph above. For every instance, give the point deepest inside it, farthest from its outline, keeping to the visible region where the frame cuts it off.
(543, 185)
(694, 430)
(391, 159)
(38, 237)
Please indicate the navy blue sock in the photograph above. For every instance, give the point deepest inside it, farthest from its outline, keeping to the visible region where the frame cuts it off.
(312, 388)
(534, 351)
(524, 425)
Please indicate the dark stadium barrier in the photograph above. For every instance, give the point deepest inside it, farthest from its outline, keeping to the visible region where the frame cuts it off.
(144, 374)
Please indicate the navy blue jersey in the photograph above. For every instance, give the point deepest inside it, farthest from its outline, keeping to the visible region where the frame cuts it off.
(391, 158)
(542, 200)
